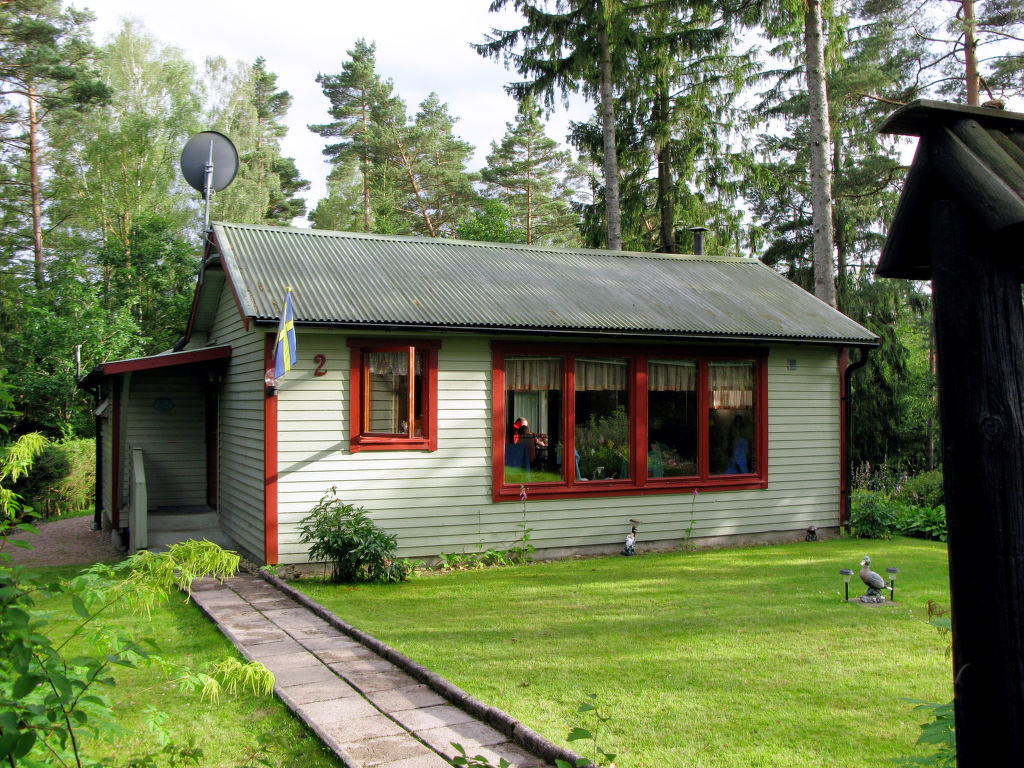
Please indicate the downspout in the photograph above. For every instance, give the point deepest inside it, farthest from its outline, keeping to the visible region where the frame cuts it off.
(97, 516)
(847, 431)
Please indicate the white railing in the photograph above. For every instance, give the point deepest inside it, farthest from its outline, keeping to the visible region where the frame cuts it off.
(138, 504)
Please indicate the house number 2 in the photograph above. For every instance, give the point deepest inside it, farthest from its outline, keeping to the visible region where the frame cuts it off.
(321, 361)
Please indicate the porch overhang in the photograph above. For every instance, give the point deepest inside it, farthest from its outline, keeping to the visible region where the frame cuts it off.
(153, 362)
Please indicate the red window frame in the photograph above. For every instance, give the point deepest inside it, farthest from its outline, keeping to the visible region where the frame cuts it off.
(639, 483)
(359, 438)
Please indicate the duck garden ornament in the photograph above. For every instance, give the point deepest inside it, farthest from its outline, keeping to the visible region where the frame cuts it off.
(874, 581)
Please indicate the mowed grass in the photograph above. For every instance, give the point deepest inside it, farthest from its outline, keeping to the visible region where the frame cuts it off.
(738, 657)
(227, 731)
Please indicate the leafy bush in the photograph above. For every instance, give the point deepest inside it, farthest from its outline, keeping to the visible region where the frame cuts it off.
(923, 490)
(924, 523)
(873, 515)
(63, 478)
(358, 551)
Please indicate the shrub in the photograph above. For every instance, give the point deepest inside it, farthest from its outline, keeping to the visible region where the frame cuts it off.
(923, 490)
(62, 480)
(873, 515)
(925, 523)
(344, 536)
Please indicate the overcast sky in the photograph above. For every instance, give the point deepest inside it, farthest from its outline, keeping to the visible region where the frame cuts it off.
(423, 46)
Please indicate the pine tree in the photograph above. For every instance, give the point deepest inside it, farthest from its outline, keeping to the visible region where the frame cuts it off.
(356, 94)
(526, 172)
(46, 65)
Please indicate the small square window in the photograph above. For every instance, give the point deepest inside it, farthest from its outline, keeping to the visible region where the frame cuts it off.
(394, 395)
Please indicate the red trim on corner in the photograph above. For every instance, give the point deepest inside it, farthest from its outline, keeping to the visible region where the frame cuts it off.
(269, 459)
(844, 490)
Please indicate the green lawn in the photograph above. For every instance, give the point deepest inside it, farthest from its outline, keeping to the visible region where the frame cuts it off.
(227, 731)
(738, 657)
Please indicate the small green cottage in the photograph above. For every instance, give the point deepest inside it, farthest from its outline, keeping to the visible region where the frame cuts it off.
(439, 382)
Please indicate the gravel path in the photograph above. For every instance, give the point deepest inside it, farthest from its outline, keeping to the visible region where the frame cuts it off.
(65, 542)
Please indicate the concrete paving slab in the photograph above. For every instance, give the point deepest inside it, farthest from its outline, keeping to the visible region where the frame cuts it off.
(337, 712)
(375, 681)
(440, 716)
(307, 693)
(471, 736)
(262, 651)
(427, 761)
(398, 699)
(363, 729)
(287, 661)
(317, 674)
(389, 750)
(515, 755)
(347, 652)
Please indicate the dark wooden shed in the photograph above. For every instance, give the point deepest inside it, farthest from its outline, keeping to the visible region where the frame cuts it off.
(959, 224)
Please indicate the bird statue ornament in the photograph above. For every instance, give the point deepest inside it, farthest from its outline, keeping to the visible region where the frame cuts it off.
(630, 546)
(873, 580)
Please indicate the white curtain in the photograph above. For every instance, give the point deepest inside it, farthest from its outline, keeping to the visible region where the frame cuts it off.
(527, 374)
(732, 384)
(601, 375)
(672, 376)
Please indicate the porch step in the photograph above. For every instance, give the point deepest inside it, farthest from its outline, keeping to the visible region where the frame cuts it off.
(172, 525)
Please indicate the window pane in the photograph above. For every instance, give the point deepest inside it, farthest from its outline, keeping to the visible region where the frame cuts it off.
(603, 427)
(672, 417)
(387, 393)
(533, 420)
(731, 418)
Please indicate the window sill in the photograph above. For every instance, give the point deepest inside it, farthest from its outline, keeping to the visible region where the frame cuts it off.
(653, 486)
(391, 444)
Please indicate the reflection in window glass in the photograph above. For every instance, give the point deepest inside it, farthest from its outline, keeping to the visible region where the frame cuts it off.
(603, 427)
(672, 415)
(387, 393)
(533, 420)
(731, 418)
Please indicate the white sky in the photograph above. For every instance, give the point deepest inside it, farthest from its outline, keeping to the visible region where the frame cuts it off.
(423, 46)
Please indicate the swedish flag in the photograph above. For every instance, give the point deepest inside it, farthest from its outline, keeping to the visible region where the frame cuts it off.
(285, 355)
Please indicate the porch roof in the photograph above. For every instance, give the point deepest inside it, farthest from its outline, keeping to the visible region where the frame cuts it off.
(162, 360)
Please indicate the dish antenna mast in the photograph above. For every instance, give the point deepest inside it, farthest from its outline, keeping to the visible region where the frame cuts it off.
(209, 163)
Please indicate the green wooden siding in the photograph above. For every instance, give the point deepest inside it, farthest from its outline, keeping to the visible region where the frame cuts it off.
(240, 438)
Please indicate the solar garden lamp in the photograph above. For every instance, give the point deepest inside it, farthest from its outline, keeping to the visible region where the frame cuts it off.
(846, 573)
(892, 581)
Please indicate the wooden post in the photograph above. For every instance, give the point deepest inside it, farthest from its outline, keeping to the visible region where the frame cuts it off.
(979, 326)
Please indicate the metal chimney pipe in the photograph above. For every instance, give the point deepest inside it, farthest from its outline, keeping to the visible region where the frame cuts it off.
(698, 240)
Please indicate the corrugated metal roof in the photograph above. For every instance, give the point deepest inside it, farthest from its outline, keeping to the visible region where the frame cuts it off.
(350, 279)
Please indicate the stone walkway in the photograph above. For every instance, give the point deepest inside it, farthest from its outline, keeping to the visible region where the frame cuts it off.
(374, 707)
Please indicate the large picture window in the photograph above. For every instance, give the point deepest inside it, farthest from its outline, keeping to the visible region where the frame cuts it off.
(569, 422)
(394, 395)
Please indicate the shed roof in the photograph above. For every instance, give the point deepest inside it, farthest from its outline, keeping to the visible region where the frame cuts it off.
(973, 155)
(345, 279)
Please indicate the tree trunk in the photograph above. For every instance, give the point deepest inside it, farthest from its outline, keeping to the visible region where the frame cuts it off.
(366, 167)
(971, 53)
(666, 198)
(821, 174)
(37, 206)
(979, 331)
(611, 161)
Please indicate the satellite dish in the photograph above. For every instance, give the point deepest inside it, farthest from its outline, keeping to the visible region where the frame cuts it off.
(213, 149)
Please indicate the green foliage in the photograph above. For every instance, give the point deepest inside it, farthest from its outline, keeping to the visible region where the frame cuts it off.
(344, 535)
(923, 490)
(872, 515)
(63, 478)
(924, 522)
(938, 733)
(52, 694)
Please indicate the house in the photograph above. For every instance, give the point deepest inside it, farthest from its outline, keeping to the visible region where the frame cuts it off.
(438, 381)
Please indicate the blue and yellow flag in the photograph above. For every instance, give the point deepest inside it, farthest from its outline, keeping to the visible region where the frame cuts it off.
(285, 355)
